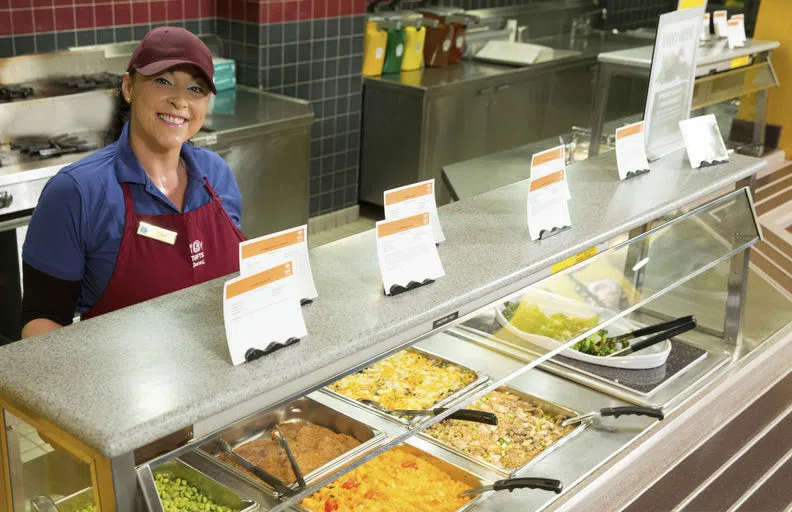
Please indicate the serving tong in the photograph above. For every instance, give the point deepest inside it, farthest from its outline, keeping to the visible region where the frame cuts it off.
(510, 484)
(662, 332)
(292, 460)
(633, 410)
(487, 418)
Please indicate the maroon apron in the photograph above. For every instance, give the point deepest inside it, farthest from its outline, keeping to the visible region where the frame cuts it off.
(206, 247)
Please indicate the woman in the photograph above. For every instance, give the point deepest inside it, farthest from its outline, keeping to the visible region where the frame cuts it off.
(148, 214)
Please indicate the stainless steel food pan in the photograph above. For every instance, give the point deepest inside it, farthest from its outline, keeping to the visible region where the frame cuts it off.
(211, 488)
(480, 379)
(302, 410)
(550, 408)
(456, 472)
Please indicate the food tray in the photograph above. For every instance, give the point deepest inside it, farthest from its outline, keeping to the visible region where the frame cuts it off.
(548, 407)
(480, 379)
(303, 410)
(76, 501)
(211, 488)
(456, 472)
(650, 357)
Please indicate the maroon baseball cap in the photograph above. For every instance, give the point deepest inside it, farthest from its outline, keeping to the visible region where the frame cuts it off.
(166, 47)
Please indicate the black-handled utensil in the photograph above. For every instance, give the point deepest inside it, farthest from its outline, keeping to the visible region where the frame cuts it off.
(681, 326)
(652, 329)
(292, 460)
(510, 484)
(260, 473)
(487, 418)
(632, 410)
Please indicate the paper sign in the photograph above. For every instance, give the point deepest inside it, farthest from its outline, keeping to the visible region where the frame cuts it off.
(261, 309)
(703, 141)
(549, 194)
(548, 162)
(705, 28)
(735, 38)
(671, 80)
(631, 151)
(414, 199)
(741, 32)
(719, 20)
(278, 248)
(407, 252)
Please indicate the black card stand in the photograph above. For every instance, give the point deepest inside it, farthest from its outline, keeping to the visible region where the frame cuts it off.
(253, 353)
(633, 174)
(545, 234)
(713, 163)
(396, 289)
(305, 302)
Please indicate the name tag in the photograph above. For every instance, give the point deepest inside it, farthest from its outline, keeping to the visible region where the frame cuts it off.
(157, 233)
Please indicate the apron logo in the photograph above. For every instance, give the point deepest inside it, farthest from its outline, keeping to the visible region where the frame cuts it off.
(197, 253)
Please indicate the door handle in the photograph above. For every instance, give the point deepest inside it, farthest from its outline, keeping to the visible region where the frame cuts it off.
(502, 87)
(488, 90)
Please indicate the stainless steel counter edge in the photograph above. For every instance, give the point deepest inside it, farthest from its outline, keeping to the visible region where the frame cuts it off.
(642, 56)
(123, 380)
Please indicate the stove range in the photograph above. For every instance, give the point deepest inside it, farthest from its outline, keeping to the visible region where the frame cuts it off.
(28, 149)
(14, 92)
(91, 82)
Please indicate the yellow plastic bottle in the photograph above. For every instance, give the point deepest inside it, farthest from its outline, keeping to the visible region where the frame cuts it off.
(414, 39)
(374, 44)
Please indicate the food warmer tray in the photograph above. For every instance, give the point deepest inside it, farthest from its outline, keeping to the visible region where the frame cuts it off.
(479, 380)
(304, 410)
(547, 406)
(214, 490)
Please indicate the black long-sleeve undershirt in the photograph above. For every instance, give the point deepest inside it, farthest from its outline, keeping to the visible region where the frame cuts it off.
(48, 297)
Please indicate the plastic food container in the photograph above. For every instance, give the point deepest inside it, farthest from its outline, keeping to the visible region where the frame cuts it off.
(394, 51)
(374, 43)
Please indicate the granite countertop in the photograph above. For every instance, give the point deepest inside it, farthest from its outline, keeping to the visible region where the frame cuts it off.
(708, 54)
(567, 51)
(125, 379)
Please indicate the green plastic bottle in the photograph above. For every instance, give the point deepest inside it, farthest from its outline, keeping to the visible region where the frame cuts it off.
(394, 52)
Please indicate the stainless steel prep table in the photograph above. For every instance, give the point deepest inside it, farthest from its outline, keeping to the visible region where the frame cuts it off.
(712, 57)
(414, 123)
(163, 365)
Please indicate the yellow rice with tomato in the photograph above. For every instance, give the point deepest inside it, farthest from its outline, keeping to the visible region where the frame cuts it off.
(406, 380)
(396, 481)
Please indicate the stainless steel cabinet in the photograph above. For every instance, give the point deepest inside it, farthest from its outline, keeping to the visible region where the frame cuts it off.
(412, 128)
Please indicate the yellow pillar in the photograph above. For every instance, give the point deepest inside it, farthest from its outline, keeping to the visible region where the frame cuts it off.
(774, 23)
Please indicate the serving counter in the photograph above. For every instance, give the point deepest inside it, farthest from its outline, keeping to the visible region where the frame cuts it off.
(123, 395)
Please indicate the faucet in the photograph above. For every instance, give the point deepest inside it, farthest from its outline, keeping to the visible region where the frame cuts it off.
(582, 23)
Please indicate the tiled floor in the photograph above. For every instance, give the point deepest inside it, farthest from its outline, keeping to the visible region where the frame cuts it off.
(337, 233)
(30, 444)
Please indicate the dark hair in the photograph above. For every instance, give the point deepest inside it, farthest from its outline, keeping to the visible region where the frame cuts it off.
(121, 112)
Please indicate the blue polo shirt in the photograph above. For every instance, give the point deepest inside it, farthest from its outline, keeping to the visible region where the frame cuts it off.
(76, 230)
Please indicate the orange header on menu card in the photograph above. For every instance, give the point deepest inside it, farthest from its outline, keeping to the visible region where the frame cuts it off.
(400, 225)
(547, 156)
(734, 23)
(274, 243)
(720, 14)
(630, 130)
(544, 181)
(405, 194)
(258, 280)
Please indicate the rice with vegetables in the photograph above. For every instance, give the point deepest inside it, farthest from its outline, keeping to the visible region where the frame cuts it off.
(523, 431)
(406, 380)
(396, 481)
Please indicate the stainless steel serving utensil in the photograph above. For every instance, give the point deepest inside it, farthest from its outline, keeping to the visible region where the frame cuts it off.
(633, 410)
(510, 484)
(260, 473)
(292, 460)
(662, 331)
(487, 418)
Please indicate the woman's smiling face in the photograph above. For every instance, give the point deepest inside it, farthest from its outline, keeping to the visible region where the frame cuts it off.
(167, 108)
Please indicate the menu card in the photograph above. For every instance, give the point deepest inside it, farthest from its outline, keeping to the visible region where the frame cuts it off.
(262, 311)
(631, 151)
(278, 248)
(703, 141)
(407, 252)
(719, 20)
(736, 32)
(705, 27)
(549, 195)
(414, 199)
